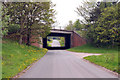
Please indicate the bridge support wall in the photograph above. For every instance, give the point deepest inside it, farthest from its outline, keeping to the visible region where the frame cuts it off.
(77, 40)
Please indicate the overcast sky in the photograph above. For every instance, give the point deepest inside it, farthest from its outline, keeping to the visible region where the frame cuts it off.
(66, 11)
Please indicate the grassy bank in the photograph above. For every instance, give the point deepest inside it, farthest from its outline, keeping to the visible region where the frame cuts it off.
(108, 59)
(16, 58)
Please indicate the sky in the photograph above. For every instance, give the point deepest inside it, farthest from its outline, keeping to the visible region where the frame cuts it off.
(65, 10)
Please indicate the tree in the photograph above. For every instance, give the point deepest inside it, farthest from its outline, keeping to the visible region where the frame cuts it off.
(70, 26)
(3, 22)
(34, 16)
(107, 30)
(77, 25)
(85, 9)
(98, 25)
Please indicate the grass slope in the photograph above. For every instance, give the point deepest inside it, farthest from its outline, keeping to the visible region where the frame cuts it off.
(108, 59)
(16, 58)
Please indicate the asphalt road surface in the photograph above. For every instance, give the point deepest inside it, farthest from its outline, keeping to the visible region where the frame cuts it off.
(55, 43)
(64, 64)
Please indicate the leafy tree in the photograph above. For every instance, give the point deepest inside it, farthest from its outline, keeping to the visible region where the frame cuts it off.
(69, 26)
(107, 30)
(31, 16)
(13, 28)
(77, 25)
(101, 22)
(3, 21)
(84, 10)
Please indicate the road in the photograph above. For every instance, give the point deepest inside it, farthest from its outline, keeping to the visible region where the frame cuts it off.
(55, 43)
(64, 64)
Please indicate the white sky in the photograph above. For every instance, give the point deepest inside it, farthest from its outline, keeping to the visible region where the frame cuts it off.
(65, 11)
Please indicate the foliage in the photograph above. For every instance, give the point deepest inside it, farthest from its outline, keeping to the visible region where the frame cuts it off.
(77, 26)
(33, 17)
(107, 30)
(13, 28)
(85, 9)
(102, 23)
(62, 41)
(69, 26)
(49, 41)
(4, 23)
(12, 63)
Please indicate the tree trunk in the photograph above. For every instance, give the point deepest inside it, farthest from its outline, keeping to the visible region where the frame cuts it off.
(20, 40)
(28, 37)
(21, 31)
(29, 24)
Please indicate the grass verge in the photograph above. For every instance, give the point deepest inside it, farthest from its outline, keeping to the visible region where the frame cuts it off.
(15, 57)
(108, 59)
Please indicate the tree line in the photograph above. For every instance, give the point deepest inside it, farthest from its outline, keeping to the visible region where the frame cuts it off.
(26, 18)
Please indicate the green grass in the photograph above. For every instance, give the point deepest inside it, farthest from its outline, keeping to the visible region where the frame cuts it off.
(91, 49)
(48, 42)
(108, 59)
(16, 58)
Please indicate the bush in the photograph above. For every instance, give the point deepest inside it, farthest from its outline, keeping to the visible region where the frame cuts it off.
(13, 28)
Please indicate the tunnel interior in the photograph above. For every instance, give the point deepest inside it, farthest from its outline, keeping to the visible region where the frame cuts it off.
(67, 44)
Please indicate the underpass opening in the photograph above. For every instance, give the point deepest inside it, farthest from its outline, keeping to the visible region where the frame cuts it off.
(56, 37)
(53, 41)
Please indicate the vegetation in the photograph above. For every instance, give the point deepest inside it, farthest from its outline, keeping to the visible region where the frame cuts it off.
(101, 21)
(33, 17)
(76, 26)
(49, 41)
(69, 26)
(108, 59)
(15, 57)
(88, 48)
(62, 41)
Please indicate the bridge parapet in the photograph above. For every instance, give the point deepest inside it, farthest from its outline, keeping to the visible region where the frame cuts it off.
(60, 31)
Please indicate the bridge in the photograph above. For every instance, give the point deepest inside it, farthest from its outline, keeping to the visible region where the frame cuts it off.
(72, 39)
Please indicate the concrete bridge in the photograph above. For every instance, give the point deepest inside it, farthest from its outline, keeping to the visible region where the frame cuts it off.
(72, 39)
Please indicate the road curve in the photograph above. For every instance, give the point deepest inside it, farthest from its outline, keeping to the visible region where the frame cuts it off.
(64, 64)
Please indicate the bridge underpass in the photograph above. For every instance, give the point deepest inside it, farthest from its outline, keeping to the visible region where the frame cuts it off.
(72, 39)
(67, 37)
